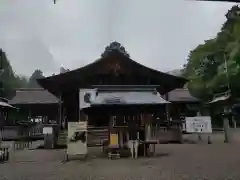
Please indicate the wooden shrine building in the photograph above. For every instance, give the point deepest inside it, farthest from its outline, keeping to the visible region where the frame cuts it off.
(36, 104)
(182, 103)
(113, 68)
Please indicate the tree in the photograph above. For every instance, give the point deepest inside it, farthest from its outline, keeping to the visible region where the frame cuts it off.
(207, 63)
(37, 74)
(9, 81)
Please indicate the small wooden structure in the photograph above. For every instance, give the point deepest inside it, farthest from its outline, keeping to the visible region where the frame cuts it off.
(181, 100)
(37, 109)
(4, 108)
(37, 104)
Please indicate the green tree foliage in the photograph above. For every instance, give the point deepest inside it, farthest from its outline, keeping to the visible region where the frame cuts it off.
(206, 65)
(37, 74)
(9, 81)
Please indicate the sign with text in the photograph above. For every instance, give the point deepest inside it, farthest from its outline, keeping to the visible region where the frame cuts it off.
(198, 124)
(77, 138)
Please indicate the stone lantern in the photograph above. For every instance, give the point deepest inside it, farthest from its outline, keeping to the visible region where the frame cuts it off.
(224, 101)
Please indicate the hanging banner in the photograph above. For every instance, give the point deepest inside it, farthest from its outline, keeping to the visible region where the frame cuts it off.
(77, 138)
(85, 97)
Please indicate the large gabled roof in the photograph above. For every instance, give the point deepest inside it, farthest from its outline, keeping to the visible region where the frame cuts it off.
(114, 54)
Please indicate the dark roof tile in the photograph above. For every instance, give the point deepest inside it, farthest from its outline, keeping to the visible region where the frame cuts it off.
(33, 96)
(181, 95)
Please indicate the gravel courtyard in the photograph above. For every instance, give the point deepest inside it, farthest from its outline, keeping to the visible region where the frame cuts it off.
(187, 161)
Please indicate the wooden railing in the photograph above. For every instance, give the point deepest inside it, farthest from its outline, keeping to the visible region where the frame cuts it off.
(13, 133)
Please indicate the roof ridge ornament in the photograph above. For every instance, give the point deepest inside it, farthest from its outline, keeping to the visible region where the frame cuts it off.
(115, 46)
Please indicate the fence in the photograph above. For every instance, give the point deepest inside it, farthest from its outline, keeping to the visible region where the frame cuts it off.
(11, 133)
(21, 145)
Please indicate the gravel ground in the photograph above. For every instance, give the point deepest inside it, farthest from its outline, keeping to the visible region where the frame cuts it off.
(216, 161)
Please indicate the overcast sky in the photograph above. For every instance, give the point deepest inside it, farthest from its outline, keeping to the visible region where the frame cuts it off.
(156, 33)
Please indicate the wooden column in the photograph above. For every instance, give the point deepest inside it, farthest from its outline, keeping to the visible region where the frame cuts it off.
(234, 123)
(148, 126)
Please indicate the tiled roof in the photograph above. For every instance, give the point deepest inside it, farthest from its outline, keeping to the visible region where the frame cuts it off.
(129, 97)
(33, 96)
(181, 95)
(41, 96)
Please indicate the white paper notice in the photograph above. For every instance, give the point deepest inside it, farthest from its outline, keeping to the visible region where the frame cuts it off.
(199, 124)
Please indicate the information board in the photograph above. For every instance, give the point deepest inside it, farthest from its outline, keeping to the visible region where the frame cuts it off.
(77, 138)
(198, 124)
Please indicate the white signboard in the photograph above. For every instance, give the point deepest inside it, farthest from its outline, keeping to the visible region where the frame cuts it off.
(77, 138)
(199, 124)
(47, 130)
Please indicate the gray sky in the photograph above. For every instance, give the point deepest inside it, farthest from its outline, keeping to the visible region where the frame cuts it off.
(156, 33)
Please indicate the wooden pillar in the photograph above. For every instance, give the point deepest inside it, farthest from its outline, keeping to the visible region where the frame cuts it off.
(234, 123)
(29, 115)
(148, 126)
(167, 108)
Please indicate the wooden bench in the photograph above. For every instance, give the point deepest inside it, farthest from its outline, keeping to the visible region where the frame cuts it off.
(149, 143)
